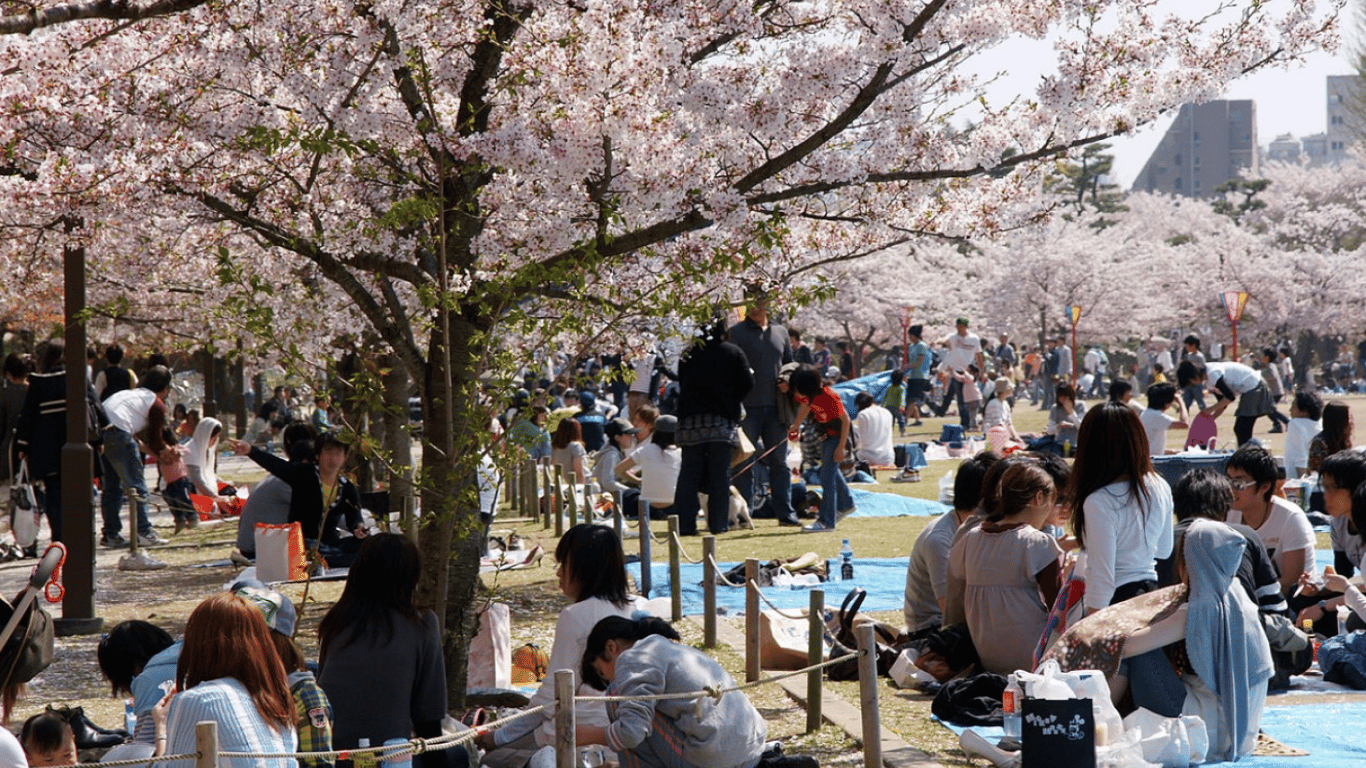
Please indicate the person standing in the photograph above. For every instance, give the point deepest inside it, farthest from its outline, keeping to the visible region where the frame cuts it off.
(41, 431)
(766, 348)
(12, 393)
(1005, 354)
(132, 412)
(713, 379)
(1190, 351)
(963, 349)
(114, 377)
(918, 363)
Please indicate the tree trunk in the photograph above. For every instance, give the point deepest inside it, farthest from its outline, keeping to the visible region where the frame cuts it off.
(398, 443)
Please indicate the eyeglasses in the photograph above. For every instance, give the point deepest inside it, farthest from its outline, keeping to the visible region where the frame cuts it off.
(1241, 485)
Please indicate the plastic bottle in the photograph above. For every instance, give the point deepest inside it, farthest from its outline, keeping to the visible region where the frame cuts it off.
(846, 562)
(1011, 699)
(1343, 613)
(1313, 638)
(363, 759)
(400, 761)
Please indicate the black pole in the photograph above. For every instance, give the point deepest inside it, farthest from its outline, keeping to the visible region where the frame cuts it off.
(210, 382)
(78, 463)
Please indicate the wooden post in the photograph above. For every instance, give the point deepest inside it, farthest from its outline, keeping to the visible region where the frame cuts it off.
(206, 744)
(588, 514)
(708, 591)
(675, 570)
(566, 748)
(572, 495)
(646, 574)
(546, 495)
(531, 506)
(867, 684)
(619, 518)
(815, 654)
(556, 489)
(513, 490)
(751, 620)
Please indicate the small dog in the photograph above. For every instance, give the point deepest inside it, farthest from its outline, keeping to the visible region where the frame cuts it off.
(739, 509)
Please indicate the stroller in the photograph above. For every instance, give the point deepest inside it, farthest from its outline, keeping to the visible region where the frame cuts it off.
(26, 640)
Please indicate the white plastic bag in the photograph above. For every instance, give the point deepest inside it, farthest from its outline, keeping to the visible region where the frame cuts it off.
(1173, 742)
(904, 672)
(1050, 682)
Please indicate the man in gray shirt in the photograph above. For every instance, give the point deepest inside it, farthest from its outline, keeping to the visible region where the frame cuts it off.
(927, 572)
(767, 348)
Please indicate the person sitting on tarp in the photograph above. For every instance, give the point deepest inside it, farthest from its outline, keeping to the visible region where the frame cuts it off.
(1221, 661)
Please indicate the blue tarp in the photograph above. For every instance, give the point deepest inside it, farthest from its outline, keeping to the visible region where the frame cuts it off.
(873, 504)
(884, 578)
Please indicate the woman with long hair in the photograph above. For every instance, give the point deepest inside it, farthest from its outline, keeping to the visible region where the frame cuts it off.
(568, 451)
(1010, 569)
(1336, 435)
(229, 673)
(1121, 508)
(592, 573)
(379, 655)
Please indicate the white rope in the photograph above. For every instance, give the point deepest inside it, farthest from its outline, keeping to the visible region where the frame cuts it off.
(755, 586)
(139, 761)
(413, 746)
(720, 574)
(716, 693)
(681, 550)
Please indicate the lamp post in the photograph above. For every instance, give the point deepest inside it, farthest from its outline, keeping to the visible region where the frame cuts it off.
(907, 312)
(1234, 303)
(1072, 314)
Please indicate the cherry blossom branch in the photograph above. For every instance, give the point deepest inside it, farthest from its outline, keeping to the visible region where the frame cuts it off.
(127, 10)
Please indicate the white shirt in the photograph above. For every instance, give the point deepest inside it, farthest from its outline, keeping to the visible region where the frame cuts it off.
(1240, 378)
(997, 415)
(1156, 423)
(962, 351)
(658, 472)
(874, 429)
(1298, 433)
(11, 752)
(1124, 537)
(644, 368)
(1091, 361)
(128, 409)
(1286, 529)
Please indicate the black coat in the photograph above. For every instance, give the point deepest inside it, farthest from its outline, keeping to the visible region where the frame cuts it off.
(42, 423)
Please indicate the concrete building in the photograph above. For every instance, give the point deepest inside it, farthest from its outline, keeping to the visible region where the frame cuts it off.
(1284, 148)
(1346, 118)
(1206, 146)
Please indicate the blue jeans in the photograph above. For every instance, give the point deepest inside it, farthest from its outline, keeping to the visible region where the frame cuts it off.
(834, 491)
(766, 430)
(123, 469)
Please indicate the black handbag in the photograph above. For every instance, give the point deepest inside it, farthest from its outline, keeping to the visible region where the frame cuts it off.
(844, 644)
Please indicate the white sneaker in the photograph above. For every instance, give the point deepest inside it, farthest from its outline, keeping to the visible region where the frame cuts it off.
(150, 539)
(816, 527)
(140, 562)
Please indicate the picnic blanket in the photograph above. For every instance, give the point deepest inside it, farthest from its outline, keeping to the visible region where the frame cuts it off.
(883, 577)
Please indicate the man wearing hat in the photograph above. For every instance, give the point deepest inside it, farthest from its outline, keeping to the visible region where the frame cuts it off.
(592, 421)
(964, 349)
(767, 348)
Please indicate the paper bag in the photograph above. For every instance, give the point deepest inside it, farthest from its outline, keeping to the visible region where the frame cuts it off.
(490, 663)
(783, 642)
(280, 553)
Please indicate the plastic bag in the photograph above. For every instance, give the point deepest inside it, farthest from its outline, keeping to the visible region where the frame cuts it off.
(1172, 742)
(1050, 682)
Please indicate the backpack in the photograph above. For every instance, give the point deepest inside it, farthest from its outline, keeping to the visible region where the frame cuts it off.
(529, 664)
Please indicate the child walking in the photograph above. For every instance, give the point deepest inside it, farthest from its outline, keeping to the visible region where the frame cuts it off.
(825, 407)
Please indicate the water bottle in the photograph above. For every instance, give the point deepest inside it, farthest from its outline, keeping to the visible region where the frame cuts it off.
(846, 562)
(130, 720)
(1011, 699)
(397, 761)
(363, 759)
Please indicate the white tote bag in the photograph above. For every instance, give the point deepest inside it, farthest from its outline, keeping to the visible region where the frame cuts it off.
(24, 503)
(490, 663)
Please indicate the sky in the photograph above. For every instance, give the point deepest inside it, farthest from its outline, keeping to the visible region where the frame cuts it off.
(1291, 100)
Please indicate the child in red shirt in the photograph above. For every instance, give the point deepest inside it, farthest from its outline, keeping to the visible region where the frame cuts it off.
(822, 404)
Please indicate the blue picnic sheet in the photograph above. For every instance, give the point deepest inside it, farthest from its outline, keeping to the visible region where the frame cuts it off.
(883, 577)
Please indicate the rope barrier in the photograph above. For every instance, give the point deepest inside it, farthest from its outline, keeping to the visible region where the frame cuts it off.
(717, 693)
(753, 585)
(721, 574)
(138, 761)
(683, 551)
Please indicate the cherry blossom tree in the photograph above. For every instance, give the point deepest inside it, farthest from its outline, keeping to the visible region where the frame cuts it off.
(468, 181)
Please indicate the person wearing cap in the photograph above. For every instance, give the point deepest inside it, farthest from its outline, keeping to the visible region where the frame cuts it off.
(621, 441)
(832, 374)
(132, 412)
(767, 348)
(963, 349)
(592, 421)
(713, 379)
(997, 420)
(312, 711)
(658, 463)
